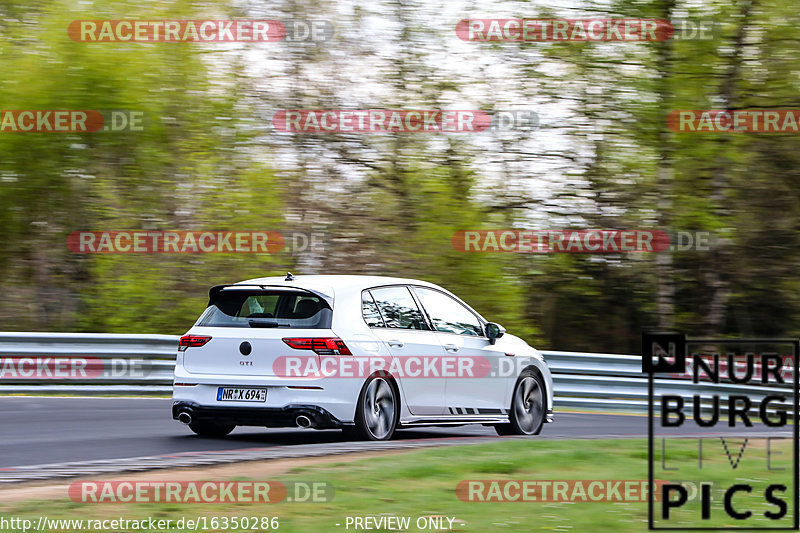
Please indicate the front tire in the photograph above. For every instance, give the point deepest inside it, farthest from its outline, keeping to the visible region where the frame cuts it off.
(377, 411)
(527, 406)
(211, 429)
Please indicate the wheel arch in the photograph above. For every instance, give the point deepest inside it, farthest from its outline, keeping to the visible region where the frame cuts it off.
(539, 367)
(358, 422)
(392, 381)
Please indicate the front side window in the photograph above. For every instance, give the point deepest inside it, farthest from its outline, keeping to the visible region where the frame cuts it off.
(398, 308)
(449, 315)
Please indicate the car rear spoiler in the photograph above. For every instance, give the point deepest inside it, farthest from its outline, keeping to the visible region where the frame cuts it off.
(214, 292)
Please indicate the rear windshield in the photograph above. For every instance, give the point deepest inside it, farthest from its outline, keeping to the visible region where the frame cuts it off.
(267, 309)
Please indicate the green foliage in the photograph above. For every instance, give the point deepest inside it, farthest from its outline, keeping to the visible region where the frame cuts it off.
(188, 169)
(390, 203)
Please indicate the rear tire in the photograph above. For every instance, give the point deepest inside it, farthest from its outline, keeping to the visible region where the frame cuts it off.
(211, 429)
(527, 406)
(377, 411)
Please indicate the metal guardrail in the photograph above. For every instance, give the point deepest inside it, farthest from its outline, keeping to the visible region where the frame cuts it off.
(148, 359)
(582, 380)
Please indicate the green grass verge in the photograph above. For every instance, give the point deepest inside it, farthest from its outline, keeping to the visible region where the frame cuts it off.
(423, 482)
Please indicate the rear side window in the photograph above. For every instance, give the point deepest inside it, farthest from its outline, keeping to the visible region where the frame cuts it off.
(281, 309)
(370, 311)
(398, 308)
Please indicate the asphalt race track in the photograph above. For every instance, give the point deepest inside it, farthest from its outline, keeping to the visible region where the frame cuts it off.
(48, 430)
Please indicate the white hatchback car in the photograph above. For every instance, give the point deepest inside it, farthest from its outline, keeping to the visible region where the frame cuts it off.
(366, 354)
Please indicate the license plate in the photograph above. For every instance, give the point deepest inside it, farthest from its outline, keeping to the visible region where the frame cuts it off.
(239, 394)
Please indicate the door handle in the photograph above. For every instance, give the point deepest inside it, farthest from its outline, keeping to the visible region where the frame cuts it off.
(395, 343)
(451, 347)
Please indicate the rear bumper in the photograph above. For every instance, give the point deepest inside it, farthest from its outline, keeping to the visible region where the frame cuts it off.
(258, 416)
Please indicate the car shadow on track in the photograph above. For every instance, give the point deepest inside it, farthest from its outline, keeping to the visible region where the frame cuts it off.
(293, 437)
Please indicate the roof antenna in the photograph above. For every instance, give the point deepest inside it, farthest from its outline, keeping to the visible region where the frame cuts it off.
(289, 277)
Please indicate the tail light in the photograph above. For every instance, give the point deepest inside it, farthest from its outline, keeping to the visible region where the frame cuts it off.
(320, 345)
(192, 341)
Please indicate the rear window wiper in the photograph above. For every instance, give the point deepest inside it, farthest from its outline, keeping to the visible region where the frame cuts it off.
(266, 323)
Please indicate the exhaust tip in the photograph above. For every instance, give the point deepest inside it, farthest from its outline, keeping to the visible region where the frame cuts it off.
(303, 421)
(185, 417)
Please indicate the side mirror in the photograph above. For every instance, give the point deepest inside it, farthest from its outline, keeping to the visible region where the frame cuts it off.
(494, 331)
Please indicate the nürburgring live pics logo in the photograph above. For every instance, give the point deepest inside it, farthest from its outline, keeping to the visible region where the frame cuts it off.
(739, 404)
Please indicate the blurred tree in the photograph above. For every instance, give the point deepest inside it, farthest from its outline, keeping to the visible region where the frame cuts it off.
(190, 168)
(389, 203)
